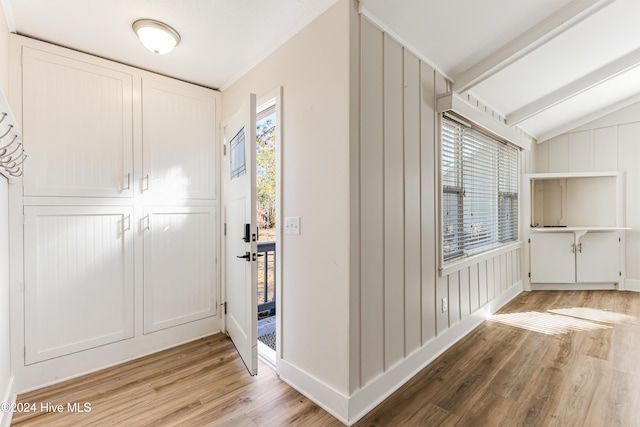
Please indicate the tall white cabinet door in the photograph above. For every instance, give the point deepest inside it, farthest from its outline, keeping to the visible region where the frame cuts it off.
(598, 257)
(78, 279)
(180, 282)
(77, 127)
(553, 258)
(178, 125)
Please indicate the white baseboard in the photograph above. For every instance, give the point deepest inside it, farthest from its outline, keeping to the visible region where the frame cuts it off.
(320, 393)
(373, 393)
(632, 285)
(9, 396)
(574, 286)
(348, 410)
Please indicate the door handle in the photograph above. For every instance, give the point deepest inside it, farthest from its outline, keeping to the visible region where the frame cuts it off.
(246, 256)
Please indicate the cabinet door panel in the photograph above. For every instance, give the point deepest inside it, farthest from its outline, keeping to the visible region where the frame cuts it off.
(179, 266)
(598, 259)
(552, 258)
(78, 279)
(77, 126)
(178, 122)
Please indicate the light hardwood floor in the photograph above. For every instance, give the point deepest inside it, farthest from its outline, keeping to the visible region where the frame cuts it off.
(567, 358)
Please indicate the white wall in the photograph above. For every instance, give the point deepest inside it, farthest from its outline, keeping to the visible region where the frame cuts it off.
(609, 144)
(313, 70)
(6, 392)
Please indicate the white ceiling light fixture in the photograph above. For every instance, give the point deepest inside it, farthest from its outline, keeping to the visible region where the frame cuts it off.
(156, 36)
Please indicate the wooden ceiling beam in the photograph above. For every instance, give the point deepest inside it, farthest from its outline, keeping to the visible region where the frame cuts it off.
(572, 14)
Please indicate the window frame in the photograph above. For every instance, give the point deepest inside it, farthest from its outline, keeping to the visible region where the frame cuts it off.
(503, 241)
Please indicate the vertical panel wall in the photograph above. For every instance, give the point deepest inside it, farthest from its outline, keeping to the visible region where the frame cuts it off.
(401, 288)
(610, 144)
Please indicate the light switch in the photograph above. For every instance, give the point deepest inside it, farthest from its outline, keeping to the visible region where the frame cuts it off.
(292, 225)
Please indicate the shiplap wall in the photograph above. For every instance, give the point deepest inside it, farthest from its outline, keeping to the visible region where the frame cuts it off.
(608, 145)
(400, 287)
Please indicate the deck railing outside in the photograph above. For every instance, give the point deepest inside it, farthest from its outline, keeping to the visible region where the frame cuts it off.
(266, 277)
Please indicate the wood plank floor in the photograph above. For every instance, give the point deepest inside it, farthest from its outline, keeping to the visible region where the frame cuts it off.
(567, 358)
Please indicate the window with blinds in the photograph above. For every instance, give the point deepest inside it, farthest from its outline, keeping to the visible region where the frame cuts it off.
(479, 191)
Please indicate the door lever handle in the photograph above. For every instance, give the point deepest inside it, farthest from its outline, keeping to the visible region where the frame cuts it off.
(246, 256)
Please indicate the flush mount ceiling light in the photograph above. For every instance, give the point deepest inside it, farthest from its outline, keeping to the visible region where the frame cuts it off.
(156, 36)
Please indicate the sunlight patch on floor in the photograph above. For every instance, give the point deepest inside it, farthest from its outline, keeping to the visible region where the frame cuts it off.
(595, 315)
(546, 323)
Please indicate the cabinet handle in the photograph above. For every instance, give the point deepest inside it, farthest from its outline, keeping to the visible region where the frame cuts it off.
(145, 223)
(580, 247)
(145, 183)
(128, 186)
(573, 248)
(128, 227)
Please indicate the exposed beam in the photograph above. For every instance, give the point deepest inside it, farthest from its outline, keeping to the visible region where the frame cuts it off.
(576, 87)
(583, 120)
(542, 33)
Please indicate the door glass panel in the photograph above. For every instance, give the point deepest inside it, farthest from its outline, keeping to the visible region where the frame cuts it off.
(238, 161)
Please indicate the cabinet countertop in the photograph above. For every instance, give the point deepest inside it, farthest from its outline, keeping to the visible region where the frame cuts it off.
(572, 229)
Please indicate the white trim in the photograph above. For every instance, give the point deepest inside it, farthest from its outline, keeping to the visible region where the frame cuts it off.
(8, 14)
(372, 394)
(574, 287)
(453, 102)
(460, 264)
(325, 396)
(632, 285)
(9, 397)
(274, 97)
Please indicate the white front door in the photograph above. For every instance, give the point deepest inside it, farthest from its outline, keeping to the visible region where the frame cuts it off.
(241, 244)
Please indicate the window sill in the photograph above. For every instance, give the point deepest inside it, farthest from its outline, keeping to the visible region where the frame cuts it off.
(462, 263)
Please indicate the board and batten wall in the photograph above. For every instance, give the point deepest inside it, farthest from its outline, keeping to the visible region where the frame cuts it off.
(609, 144)
(398, 287)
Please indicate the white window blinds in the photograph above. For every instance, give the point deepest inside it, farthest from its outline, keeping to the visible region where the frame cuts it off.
(479, 191)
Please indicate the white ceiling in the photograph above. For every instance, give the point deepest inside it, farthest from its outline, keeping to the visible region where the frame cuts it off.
(548, 66)
(221, 39)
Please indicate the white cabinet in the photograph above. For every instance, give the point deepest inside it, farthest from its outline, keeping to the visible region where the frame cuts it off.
(553, 258)
(575, 227)
(77, 127)
(78, 279)
(598, 257)
(179, 265)
(112, 150)
(178, 132)
(578, 256)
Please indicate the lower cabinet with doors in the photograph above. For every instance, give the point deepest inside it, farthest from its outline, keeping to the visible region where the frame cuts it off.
(79, 278)
(179, 265)
(567, 255)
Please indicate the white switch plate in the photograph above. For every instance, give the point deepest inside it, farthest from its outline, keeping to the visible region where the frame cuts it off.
(292, 225)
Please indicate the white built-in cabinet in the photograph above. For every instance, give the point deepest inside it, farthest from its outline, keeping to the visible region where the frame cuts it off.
(178, 156)
(120, 212)
(575, 230)
(78, 278)
(78, 127)
(179, 265)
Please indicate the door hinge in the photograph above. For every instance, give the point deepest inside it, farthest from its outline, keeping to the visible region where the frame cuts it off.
(224, 149)
(620, 273)
(620, 239)
(529, 274)
(225, 228)
(529, 240)
(224, 304)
